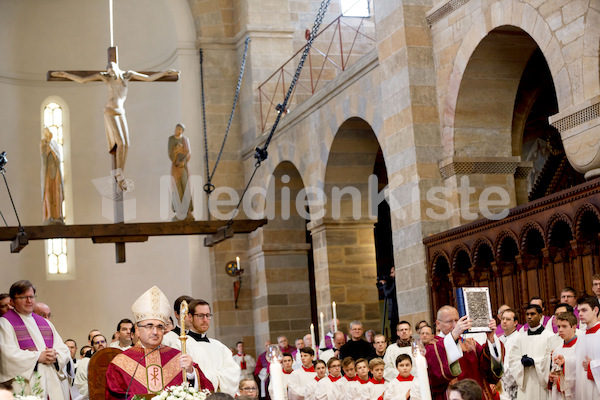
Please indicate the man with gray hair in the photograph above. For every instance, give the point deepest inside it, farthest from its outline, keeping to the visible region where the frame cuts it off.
(357, 347)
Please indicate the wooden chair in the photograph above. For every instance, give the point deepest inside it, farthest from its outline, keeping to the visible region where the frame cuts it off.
(97, 372)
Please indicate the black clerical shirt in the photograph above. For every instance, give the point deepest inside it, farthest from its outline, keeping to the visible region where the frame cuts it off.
(358, 349)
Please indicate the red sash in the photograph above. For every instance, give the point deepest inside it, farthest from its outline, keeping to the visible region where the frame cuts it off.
(243, 362)
(402, 379)
(376, 382)
(311, 369)
(23, 336)
(334, 379)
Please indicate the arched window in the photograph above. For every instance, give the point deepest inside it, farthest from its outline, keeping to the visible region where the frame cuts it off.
(356, 8)
(56, 249)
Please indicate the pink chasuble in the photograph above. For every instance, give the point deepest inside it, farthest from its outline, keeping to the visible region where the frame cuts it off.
(157, 371)
(476, 363)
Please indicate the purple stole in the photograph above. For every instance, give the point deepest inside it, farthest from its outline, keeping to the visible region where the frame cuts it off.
(23, 336)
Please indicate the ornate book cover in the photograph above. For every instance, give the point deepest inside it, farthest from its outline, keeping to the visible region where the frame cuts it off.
(475, 302)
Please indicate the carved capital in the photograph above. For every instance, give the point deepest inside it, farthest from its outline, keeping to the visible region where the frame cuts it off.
(579, 128)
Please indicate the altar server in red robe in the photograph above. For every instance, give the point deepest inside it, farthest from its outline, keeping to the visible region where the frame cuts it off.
(150, 367)
(587, 371)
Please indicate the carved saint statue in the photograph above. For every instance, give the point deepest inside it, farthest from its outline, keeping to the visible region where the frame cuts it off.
(179, 153)
(115, 122)
(52, 180)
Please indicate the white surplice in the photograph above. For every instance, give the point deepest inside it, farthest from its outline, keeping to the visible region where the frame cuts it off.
(81, 377)
(567, 380)
(328, 390)
(215, 361)
(248, 372)
(509, 383)
(16, 362)
(588, 345)
(532, 381)
(391, 353)
(397, 390)
(298, 383)
(310, 389)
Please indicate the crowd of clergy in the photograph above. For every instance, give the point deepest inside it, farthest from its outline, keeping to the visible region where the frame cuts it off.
(544, 357)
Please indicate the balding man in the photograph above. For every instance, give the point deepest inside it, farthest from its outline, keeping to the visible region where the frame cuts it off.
(451, 357)
(329, 336)
(43, 310)
(339, 339)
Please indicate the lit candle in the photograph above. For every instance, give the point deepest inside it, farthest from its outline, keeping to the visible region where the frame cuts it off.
(335, 328)
(312, 339)
(423, 377)
(237, 263)
(322, 332)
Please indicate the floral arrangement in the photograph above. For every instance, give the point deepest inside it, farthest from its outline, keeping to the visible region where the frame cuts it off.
(181, 392)
(36, 389)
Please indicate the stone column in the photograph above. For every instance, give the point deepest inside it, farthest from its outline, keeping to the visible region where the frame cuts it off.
(346, 270)
(280, 289)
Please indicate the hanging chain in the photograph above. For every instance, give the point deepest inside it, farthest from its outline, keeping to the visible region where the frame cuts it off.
(261, 153)
(204, 121)
(209, 187)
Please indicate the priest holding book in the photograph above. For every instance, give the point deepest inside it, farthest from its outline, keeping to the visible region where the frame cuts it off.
(452, 358)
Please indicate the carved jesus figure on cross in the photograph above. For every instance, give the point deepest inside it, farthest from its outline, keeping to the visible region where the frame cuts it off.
(115, 122)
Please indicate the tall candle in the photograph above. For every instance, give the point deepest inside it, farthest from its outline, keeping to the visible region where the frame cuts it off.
(335, 327)
(237, 263)
(276, 373)
(423, 377)
(322, 332)
(312, 339)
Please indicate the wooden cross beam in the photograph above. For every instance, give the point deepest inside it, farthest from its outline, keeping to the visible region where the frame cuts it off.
(112, 57)
(125, 233)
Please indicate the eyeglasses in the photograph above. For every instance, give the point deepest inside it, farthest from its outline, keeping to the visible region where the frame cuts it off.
(24, 297)
(251, 389)
(335, 366)
(202, 316)
(151, 327)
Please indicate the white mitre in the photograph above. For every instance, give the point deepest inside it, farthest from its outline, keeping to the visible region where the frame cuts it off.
(153, 304)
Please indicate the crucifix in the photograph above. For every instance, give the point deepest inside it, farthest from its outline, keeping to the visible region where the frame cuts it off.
(115, 122)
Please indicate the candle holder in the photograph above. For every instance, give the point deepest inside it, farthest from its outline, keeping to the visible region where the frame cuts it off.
(233, 269)
(418, 348)
(274, 354)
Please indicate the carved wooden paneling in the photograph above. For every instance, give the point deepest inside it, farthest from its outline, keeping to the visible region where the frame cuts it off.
(537, 250)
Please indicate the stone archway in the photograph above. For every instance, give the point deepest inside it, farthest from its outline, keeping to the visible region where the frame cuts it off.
(346, 251)
(283, 273)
